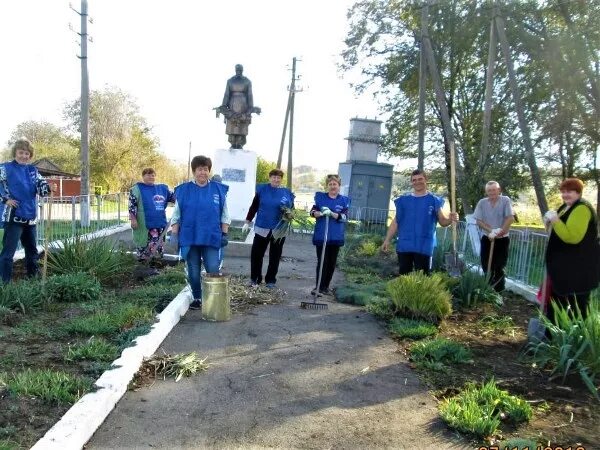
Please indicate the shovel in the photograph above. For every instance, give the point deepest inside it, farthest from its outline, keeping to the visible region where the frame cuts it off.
(489, 264)
(314, 304)
(454, 265)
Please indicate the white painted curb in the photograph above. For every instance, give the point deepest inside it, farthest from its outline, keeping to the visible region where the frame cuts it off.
(80, 422)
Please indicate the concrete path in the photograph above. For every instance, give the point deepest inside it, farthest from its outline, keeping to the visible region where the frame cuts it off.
(283, 377)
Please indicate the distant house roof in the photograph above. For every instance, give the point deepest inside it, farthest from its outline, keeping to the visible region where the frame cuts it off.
(48, 169)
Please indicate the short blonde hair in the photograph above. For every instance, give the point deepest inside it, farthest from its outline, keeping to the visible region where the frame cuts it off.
(333, 177)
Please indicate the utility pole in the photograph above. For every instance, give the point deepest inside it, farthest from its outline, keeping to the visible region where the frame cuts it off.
(422, 82)
(84, 202)
(289, 116)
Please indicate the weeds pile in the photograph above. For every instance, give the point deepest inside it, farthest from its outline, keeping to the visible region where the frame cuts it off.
(244, 296)
(173, 366)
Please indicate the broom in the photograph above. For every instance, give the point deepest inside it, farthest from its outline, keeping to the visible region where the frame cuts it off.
(314, 304)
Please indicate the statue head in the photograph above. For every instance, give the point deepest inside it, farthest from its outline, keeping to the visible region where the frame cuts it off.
(239, 69)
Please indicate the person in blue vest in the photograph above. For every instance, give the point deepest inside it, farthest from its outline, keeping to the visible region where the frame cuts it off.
(267, 205)
(201, 222)
(147, 213)
(335, 206)
(20, 182)
(417, 215)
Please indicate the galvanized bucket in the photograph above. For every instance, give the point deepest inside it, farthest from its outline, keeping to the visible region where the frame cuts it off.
(215, 298)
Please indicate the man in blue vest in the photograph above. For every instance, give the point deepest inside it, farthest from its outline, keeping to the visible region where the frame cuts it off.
(417, 215)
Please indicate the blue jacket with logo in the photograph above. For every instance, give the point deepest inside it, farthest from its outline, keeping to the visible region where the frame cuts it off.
(417, 220)
(271, 201)
(337, 228)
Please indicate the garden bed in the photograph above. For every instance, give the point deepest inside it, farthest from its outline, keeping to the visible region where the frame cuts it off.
(59, 337)
(472, 346)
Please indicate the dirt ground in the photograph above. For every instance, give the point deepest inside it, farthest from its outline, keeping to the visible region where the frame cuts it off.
(283, 377)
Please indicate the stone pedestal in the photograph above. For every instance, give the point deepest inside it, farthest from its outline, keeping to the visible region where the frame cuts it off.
(237, 169)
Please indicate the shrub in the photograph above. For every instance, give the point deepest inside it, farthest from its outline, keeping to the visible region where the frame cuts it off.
(95, 349)
(417, 295)
(479, 410)
(23, 295)
(435, 353)
(47, 385)
(473, 289)
(573, 345)
(382, 308)
(413, 329)
(97, 257)
(72, 287)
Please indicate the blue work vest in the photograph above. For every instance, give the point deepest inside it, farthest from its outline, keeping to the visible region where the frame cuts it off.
(270, 202)
(21, 181)
(417, 219)
(200, 208)
(336, 230)
(154, 198)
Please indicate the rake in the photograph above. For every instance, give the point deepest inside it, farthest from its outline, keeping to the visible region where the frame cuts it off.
(314, 304)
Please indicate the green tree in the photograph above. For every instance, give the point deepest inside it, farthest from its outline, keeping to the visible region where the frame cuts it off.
(49, 141)
(383, 43)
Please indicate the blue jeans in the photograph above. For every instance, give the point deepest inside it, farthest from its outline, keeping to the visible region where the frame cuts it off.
(13, 232)
(197, 255)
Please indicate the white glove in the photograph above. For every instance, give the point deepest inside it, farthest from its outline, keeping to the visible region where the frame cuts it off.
(550, 216)
(246, 228)
(325, 211)
(492, 234)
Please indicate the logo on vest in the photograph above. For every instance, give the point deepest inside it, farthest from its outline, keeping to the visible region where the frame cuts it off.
(216, 199)
(159, 202)
(431, 208)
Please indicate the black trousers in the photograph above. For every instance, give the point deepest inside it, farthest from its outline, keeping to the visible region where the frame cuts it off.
(257, 254)
(410, 261)
(499, 260)
(329, 262)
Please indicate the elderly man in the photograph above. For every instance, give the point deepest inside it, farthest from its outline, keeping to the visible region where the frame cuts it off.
(494, 215)
(417, 216)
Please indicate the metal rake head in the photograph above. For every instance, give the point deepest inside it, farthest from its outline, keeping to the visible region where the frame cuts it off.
(313, 305)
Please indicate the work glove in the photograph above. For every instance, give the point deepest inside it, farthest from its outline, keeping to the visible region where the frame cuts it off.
(550, 216)
(246, 228)
(492, 234)
(224, 240)
(325, 211)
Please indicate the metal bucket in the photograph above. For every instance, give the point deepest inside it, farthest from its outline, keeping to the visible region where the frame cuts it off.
(215, 298)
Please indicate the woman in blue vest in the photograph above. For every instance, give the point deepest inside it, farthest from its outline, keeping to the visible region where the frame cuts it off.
(20, 182)
(201, 222)
(147, 213)
(267, 205)
(335, 206)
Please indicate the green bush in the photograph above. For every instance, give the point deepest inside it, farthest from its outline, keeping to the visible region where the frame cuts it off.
(359, 294)
(97, 257)
(381, 307)
(573, 346)
(420, 296)
(73, 287)
(23, 295)
(412, 329)
(47, 385)
(435, 353)
(473, 289)
(95, 349)
(480, 410)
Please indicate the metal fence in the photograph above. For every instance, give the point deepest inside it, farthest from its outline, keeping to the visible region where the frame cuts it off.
(105, 211)
(526, 251)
